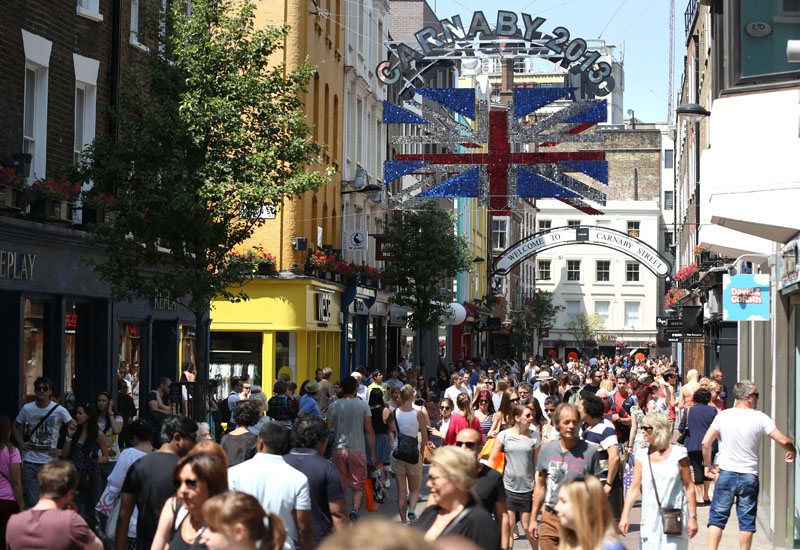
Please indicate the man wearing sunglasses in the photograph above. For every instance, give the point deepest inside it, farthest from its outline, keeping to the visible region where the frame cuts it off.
(41, 421)
(739, 429)
(490, 487)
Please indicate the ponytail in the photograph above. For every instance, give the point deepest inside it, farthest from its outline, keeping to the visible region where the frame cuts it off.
(465, 406)
(274, 533)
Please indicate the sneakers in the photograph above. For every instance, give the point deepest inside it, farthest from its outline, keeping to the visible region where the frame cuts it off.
(388, 482)
(353, 516)
(412, 517)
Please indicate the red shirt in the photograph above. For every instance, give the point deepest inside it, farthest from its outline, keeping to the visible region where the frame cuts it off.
(458, 423)
(48, 530)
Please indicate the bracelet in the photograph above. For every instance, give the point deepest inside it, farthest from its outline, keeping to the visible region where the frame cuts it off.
(692, 516)
(708, 465)
(68, 438)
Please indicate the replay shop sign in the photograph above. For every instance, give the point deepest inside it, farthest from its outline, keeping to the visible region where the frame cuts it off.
(599, 236)
(511, 36)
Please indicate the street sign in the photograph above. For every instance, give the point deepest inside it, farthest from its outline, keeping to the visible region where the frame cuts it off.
(666, 322)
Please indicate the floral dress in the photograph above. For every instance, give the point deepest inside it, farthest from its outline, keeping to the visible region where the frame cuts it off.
(638, 440)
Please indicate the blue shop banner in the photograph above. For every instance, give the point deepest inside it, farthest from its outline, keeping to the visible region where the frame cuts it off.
(745, 298)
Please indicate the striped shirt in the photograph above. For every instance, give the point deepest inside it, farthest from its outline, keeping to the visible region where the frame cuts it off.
(602, 435)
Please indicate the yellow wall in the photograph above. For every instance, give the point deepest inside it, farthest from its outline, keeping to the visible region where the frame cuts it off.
(320, 42)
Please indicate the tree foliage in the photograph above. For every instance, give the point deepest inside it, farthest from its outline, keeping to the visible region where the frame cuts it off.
(209, 133)
(537, 315)
(425, 250)
(585, 327)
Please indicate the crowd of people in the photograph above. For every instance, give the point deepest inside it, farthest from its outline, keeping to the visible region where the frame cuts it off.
(557, 452)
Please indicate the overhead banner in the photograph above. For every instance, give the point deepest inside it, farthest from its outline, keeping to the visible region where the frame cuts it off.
(745, 298)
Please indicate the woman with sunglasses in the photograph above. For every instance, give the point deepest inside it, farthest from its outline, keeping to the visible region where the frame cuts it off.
(520, 443)
(236, 521)
(484, 411)
(445, 412)
(662, 468)
(197, 477)
(85, 445)
(584, 516)
(549, 431)
(504, 417)
(422, 389)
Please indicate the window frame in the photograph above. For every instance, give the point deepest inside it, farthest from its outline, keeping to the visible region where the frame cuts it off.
(607, 316)
(37, 58)
(549, 224)
(570, 271)
(637, 229)
(133, 36)
(637, 324)
(671, 205)
(573, 223)
(669, 159)
(540, 271)
(89, 9)
(597, 271)
(668, 238)
(571, 315)
(504, 221)
(632, 272)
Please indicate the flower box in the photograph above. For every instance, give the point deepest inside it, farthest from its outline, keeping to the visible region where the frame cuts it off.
(10, 197)
(47, 209)
(266, 269)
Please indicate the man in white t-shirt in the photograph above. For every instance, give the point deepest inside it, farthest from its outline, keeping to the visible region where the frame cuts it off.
(740, 430)
(456, 388)
(36, 428)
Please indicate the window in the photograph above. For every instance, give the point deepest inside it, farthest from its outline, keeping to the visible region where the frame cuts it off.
(603, 271)
(80, 109)
(545, 224)
(133, 39)
(90, 9)
(573, 270)
(573, 223)
(632, 272)
(85, 100)
(34, 119)
(631, 314)
(499, 233)
(573, 308)
(669, 159)
(667, 241)
(544, 270)
(633, 229)
(603, 309)
(790, 7)
(669, 203)
(764, 29)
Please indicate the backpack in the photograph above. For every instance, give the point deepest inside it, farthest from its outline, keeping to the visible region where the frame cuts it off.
(224, 410)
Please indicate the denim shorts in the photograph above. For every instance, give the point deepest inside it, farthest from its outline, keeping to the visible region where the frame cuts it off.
(742, 487)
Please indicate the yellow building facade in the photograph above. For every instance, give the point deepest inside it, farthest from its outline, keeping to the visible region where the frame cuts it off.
(291, 323)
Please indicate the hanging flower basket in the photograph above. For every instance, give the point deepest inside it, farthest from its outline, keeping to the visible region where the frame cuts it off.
(251, 262)
(56, 190)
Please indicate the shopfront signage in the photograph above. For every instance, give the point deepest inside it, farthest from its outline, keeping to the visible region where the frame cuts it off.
(165, 304)
(356, 240)
(745, 297)
(323, 307)
(600, 236)
(381, 247)
(16, 265)
(788, 265)
(358, 307)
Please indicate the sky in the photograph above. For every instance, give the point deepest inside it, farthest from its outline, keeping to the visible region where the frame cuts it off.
(642, 25)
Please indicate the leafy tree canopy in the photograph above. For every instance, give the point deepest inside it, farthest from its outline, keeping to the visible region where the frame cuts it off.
(584, 327)
(425, 251)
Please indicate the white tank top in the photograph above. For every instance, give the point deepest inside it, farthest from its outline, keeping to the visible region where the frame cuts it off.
(407, 423)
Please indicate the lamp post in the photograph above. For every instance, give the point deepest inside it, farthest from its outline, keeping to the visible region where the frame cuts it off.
(693, 112)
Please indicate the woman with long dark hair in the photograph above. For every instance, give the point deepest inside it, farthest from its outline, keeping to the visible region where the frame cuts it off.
(504, 417)
(484, 410)
(110, 422)
(383, 426)
(85, 445)
(11, 500)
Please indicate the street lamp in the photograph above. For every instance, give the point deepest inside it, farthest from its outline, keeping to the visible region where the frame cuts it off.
(478, 260)
(693, 112)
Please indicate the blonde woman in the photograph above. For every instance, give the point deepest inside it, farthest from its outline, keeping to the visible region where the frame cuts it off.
(584, 517)
(409, 423)
(499, 389)
(664, 468)
(687, 390)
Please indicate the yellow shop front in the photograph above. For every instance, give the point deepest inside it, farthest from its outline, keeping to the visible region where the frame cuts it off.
(289, 326)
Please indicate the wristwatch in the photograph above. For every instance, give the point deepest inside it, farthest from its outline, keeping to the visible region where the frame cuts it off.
(692, 516)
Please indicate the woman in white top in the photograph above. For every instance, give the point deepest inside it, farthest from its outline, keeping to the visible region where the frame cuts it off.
(409, 423)
(110, 423)
(668, 466)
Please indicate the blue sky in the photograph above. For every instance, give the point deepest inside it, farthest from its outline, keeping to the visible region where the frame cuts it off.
(643, 26)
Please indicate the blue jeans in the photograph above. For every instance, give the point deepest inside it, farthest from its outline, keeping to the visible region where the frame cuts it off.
(30, 484)
(742, 487)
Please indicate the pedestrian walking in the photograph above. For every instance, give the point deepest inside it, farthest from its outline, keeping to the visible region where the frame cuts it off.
(36, 429)
(383, 426)
(237, 387)
(11, 499)
(549, 431)
(149, 483)
(559, 461)
(601, 432)
(308, 439)
(446, 407)
(452, 480)
(483, 408)
(695, 423)
(520, 444)
(456, 388)
(462, 418)
(739, 430)
(279, 487)
(351, 420)
(410, 426)
(51, 524)
(661, 472)
(280, 405)
(379, 534)
(157, 409)
(236, 521)
(110, 422)
(504, 417)
(584, 517)
(326, 393)
(309, 403)
(85, 445)
(240, 444)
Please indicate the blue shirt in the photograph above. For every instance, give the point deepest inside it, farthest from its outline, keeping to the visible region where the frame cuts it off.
(309, 405)
(700, 418)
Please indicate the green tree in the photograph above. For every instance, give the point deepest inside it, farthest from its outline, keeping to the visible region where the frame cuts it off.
(425, 251)
(541, 313)
(209, 134)
(584, 327)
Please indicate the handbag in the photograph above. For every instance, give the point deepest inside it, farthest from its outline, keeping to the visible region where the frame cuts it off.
(627, 475)
(427, 452)
(671, 518)
(486, 452)
(685, 433)
(407, 448)
(111, 522)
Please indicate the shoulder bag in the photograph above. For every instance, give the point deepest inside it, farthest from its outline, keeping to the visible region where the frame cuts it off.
(685, 433)
(671, 518)
(27, 436)
(407, 449)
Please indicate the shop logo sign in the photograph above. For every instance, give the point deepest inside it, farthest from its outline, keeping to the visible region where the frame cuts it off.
(323, 307)
(745, 297)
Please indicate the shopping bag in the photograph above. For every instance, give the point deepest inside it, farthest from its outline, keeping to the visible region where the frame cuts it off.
(627, 474)
(487, 448)
(499, 463)
(368, 495)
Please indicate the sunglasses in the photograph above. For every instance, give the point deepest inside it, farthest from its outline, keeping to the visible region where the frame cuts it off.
(647, 428)
(754, 395)
(444, 408)
(190, 483)
(467, 444)
(483, 400)
(515, 400)
(549, 410)
(42, 388)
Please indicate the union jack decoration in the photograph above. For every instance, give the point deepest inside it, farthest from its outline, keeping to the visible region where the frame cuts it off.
(501, 173)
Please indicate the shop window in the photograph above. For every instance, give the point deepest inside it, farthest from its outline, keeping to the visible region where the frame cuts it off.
(70, 327)
(188, 347)
(235, 354)
(130, 349)
(285, 355)
(33, 352)
(761, 35)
